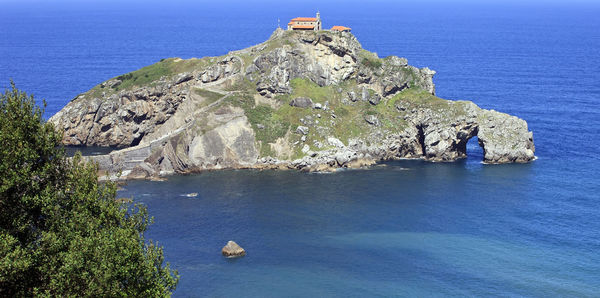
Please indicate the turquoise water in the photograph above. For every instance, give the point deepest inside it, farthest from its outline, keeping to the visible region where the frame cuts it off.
(406, 228)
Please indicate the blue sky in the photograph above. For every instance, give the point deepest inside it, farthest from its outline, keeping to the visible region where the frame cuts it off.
(41, 5)
(294, 2)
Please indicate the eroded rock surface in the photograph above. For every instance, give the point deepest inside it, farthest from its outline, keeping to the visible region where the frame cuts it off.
(120, 119)
(504, 138)
(313, 101)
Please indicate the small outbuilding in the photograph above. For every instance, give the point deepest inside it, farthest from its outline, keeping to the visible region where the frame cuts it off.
(340, 29)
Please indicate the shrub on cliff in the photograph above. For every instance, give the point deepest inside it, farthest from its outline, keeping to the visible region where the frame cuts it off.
(61, 232)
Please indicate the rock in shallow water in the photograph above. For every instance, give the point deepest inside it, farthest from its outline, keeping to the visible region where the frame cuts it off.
(233, 250)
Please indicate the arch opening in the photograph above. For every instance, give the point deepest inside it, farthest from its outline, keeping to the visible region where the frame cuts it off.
(474, 150)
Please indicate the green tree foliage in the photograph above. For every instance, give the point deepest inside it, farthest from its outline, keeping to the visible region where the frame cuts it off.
(61, 231)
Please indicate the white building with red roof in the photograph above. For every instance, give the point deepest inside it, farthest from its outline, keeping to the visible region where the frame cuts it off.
(313, 24)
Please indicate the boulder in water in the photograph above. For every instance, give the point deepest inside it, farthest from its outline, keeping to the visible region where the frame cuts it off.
(233, 250)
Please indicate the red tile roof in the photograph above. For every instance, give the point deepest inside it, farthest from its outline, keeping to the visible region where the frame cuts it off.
(340, 28)
(304, 19)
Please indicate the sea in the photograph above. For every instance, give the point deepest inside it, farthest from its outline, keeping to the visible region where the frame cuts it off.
(404, 228)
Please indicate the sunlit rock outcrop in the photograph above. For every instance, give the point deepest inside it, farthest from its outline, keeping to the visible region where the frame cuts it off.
(314, 101)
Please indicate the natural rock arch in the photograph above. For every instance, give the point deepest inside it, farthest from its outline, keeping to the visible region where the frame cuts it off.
(503, 138)
(474, 148)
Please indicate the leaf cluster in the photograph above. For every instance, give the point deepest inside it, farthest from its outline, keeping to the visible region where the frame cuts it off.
(61, 231)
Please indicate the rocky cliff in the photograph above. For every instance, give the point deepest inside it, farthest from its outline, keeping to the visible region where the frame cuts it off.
(301, 100)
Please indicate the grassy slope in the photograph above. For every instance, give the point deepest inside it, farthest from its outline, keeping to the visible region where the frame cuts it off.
(349, 122)
(147, 76)
(168, 68)
(209, 96)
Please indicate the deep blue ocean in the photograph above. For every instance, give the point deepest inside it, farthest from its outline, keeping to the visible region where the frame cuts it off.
(406, 228)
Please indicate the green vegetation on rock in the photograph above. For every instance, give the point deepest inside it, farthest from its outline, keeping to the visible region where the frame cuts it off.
(273, 127)
(267, 125)
(370, 60)
(308, 88)
(422, 99)
(151, 73)
(144, 75)
(62, 233)
(208, 95)
(348, 123)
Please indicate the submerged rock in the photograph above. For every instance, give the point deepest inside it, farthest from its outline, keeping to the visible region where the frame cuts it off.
(232, 250)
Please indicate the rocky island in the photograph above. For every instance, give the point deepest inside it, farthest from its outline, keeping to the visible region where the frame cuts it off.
(307, 100)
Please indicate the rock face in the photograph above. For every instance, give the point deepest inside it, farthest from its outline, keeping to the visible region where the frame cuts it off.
(504, 138)
(314, 101)
(232, 250)
(301, 102)
(121, 119)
